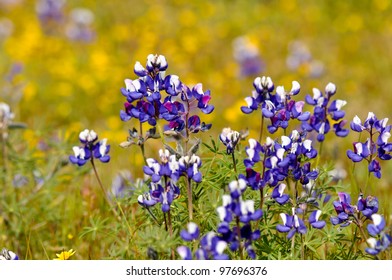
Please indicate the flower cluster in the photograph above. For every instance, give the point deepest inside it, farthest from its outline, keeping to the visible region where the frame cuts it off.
(247, 56)
(300, 57)
(91, 148)
(242, 213)
(346, 213)
(288, 159)
(326, 113)
(230, 139)
(278, 107)
(344, 210)
(372, 149)
(80, 25)
(145, 103)
(293, 224)
(211, 246)
(168, 170)
(161, 191)
(380, 240)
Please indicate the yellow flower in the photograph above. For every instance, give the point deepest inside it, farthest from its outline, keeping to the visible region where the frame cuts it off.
(65, 255)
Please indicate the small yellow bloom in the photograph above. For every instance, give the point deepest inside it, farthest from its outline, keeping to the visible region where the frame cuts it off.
(65, 255)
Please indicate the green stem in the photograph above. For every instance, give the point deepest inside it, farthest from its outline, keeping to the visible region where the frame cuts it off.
(103, 190)
(3, 174)
(190, 201)
(170, 232)
(261, 197)
(164, 218)
(359, 223)
(292, 246)
(367, 182)
(170, 223)
(319, 154)
(153, 216)
(141, 144)
(234, 165)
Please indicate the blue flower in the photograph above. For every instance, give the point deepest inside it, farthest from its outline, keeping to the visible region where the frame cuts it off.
(230, 139)
(263, 87)
(248, 212)
(184, 252)
(81, 155)
(361, 151)
(325, 112)
(313, 220)
(291, 224)
(7, 255)
(191, 233)
(90, 149)
(237, 188)
(101, 151)
(278, 195)
(212, 247)
(380, 241)
(373, 148)
(356, 125)
(190, 165)
(344, 210)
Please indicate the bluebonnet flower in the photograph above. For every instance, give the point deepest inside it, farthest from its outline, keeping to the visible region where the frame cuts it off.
(166, 192)
(373, 149)
(380, 240)
(7, 255)
(361, 151)
(159, 193)
(184, 252)
(191, 233)
(211, 247)
(50, 14)
(190, 165)
(344, 210)
(288, 158)
(291, 224)
(284, 109)
(314, 220)
(90, 148)
(243, 213)
(247, 56)
(6, 117)
(378, 225)
(300, 57)
(19, 181)
(278, 107)
(145, 100)
(278, 195)
(253, 151)
(122, 185)
(230, 139)
(263, 87)
(80, 26)
(325, 112)
(168, 167)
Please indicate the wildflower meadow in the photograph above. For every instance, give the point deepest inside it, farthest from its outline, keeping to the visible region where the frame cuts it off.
(167, 131)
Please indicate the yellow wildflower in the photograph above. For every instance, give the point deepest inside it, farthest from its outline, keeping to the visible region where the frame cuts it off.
(65, 255)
